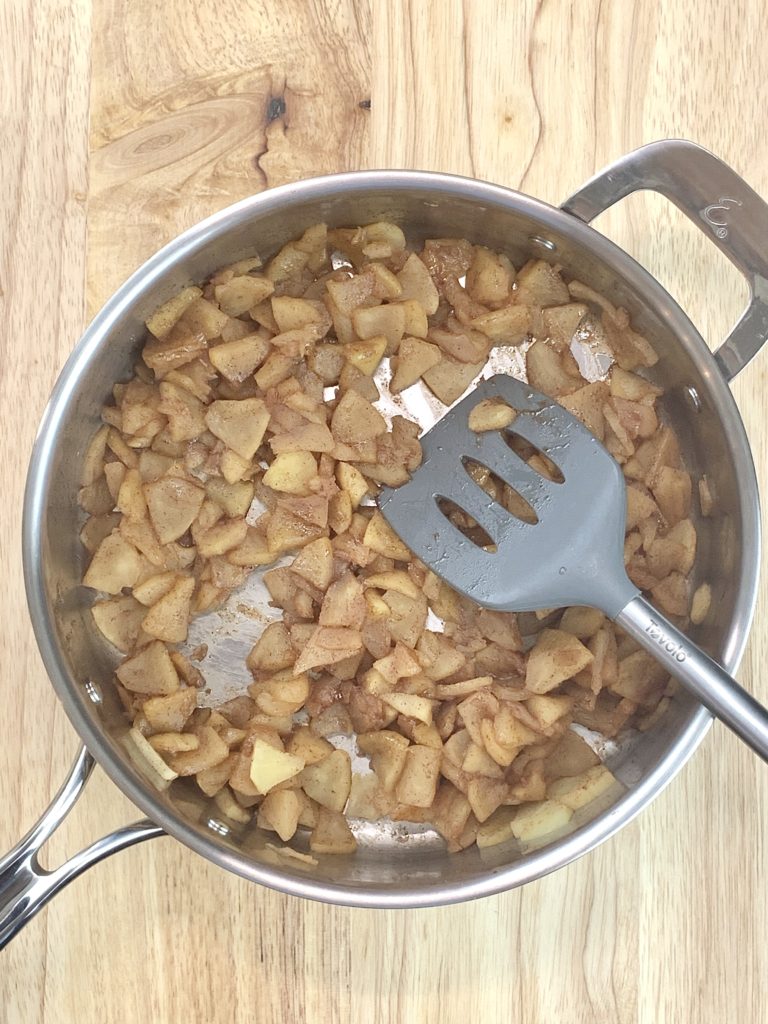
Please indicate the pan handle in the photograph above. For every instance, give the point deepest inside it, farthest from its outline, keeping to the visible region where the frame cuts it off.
(25, 887)
(719, 202)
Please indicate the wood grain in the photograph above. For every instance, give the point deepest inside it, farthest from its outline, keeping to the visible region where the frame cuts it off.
(194, 105)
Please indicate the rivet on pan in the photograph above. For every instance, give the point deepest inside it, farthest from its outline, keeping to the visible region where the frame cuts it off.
(545, 243)
(692, 396)
(218, 826)
(93, 691)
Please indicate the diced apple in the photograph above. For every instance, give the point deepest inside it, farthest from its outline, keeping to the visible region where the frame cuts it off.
(239, 424)
(173, 504)
(555, 657)
(119, 621)
(165, 316)
(328, 782)
(168, 618)
(381, 538)
(533, 821)
(170, 712)
(308, 745)
(410, 704)
(237, 360)
(386, 750)
(414, 357)
(242, 293)
(270, 767)
(272, 651)
(491, 414)
(210, 751)
(417, 784)
(115, 564)
(150, 671)
(366, 355)
(328, 645)
(486, 796)
(235, 498)
(416, 283)
(355, 419)
(331, 834)
(291, 472)
(580, 790)
(281, 809)
(449, 379)
(352, 481)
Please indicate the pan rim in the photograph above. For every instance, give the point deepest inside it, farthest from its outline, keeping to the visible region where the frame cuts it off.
(530, 866)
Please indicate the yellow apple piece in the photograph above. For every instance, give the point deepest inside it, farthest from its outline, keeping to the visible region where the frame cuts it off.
(115, 564)
(352, 482)
(174, 742)
(242, 293)
(291, 472)
(491, 414)
(281, 810)
(239, 424)
(150, 671)
(497, 829)
(555, 657)
(532, 821)
(235, 498)
(154, 587)
(355, 419)
(386, 750)
(165, 316)
(210, 751)
(293, 314)
(119, 621)
(170, 713)
(147, 759)
(307, 745)
(414, 357)
(449, 379)
(485, 796)
(417, 784)
(173, 504)
(416, 283)
(381, 538)
(539, 284)
(328, 782)
(168, 618)
(272, 651)
(229, 807)
(253, 550)
(366, 355)
(328, 645)
(331, 834)
(314, 563)
(237, 360)
(270, 767)
(221, 537)
(410, 704)
(380, 321)
(579, 790)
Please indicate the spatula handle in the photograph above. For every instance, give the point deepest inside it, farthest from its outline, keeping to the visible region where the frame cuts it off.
(698, 673)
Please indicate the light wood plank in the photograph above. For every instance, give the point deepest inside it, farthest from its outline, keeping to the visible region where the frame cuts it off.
(665, 922)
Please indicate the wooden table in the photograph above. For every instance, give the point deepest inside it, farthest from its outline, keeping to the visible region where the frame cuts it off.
(194, 105)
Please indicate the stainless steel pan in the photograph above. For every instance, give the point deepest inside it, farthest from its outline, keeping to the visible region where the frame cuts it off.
(398, 865)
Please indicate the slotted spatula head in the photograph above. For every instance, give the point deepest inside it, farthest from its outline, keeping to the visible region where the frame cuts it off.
(572, 555)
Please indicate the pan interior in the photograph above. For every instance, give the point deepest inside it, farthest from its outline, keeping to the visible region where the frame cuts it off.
(404, 863)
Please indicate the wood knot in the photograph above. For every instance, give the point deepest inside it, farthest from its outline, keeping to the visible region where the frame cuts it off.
(275, 108)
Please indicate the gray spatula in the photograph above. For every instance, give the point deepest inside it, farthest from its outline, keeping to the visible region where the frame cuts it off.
(573, 555)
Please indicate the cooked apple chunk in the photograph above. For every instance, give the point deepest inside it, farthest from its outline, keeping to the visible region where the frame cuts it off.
(239, 424)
